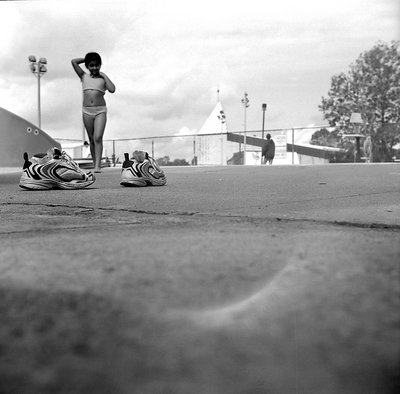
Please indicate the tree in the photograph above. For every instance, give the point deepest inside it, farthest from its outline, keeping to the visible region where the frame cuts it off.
(179, 162)
(166, 161)
(372, 88)
(163, 161)
(376, 83)
(324, 137)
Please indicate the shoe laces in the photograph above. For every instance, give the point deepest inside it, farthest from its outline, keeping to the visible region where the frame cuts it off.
(139, 156)
(66, 157)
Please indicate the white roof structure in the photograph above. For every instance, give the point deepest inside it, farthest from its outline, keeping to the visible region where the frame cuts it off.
(216, 122)
(211, 149)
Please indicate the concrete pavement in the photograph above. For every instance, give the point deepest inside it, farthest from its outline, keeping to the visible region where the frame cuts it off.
(227, 280)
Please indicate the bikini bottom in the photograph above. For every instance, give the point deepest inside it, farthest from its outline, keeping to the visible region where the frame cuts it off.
(94, 111)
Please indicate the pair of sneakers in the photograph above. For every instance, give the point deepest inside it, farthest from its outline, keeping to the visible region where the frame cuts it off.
(56, 170)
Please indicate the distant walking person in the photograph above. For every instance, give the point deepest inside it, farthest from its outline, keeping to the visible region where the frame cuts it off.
(268, 150)
(368, 149)
(94, 109)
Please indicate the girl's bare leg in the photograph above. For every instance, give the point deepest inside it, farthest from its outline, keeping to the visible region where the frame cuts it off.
(88, 121)
(99, 127)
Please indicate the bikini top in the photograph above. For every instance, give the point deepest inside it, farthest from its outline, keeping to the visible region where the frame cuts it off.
(89, 83)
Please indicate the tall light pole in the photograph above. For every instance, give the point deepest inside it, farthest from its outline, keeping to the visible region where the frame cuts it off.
(222, 119)
(264, 108)
(245, 101)
(38, 69)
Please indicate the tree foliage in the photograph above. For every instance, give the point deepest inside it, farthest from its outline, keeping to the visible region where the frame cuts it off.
(334, 139)
(324, 137)
(370, 87)
(166, 161)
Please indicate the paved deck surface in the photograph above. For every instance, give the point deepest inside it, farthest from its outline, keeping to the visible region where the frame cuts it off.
(227, 280)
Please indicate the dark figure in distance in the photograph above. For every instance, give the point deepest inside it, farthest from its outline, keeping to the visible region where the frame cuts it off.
(268, 150)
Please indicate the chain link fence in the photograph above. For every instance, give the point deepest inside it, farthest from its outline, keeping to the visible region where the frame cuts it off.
(292, 147)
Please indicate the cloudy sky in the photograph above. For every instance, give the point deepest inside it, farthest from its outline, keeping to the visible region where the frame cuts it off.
(167, 59)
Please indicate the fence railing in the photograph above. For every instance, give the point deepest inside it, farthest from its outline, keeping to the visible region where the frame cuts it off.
(202, 149)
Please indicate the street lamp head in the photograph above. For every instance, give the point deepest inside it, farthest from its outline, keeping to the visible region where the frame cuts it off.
(38, 69)
(264, 107)
(245, 100)
(355, 118)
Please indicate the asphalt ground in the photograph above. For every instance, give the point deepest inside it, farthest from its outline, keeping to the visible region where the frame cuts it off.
(273, 279)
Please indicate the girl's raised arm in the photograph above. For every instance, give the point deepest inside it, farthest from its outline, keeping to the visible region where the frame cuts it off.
(109, 84)
(76, 65)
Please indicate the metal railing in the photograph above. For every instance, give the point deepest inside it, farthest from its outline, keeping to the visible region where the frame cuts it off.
(211, 148)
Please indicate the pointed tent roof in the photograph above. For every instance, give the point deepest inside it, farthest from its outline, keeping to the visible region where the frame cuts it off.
(216, 122)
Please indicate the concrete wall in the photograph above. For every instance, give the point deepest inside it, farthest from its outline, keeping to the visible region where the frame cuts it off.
(17, 136)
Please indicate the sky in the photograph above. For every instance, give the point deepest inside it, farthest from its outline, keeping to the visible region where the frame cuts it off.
(169, 58)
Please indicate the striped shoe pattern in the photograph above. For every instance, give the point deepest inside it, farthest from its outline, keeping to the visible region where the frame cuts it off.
(56, 170)
(145, 173)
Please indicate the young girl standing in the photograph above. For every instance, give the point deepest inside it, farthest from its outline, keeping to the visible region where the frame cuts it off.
(94, 109)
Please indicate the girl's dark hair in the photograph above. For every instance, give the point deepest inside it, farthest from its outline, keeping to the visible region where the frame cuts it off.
(92, 56)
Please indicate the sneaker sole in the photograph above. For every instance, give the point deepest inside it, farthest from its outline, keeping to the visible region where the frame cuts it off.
(37, 185)
(141, 182)
(45, 184)
(135, 183)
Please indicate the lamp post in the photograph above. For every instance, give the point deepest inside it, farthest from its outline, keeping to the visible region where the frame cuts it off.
(222, 119)
(245, 101)
(356, 121)
(264, 108)
(38, 69)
